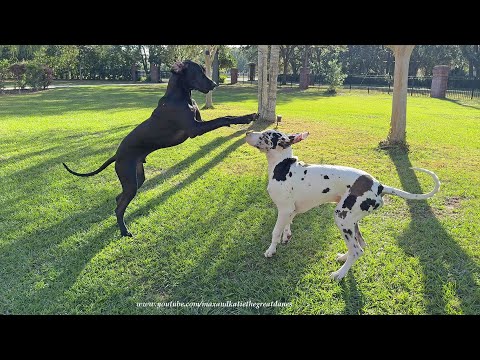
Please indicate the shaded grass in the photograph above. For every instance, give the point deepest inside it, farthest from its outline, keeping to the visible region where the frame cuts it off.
(203, 218)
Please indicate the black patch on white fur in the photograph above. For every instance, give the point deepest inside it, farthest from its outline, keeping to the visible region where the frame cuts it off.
(361, 185)
(325, 190)
(380, 189)
(290, 174)
(282, 169)
(349, 202)
(365, 205)
(326, 177)
(348, 231)
(275, 138)
(342, 214)
(305, 172)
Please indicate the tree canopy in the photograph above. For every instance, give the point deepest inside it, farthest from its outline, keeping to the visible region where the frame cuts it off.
(115, 61)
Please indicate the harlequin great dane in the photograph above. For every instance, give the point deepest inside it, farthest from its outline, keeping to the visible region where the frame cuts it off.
(296, 187)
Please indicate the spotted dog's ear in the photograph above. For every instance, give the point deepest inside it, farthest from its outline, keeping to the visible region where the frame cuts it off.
(294, 138)
(178, 67)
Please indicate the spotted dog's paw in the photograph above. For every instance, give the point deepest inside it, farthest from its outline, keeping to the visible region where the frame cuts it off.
(337, 275)
(287, 235)
(270, 252)
(342, 257)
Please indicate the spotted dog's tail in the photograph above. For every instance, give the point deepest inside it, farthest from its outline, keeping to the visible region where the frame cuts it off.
(410, 196)
(105, 164)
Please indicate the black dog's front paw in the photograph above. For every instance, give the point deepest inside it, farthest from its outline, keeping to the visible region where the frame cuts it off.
(247, 119)
(253, 117)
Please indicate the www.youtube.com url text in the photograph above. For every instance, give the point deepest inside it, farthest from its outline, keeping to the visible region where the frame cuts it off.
(223, 304)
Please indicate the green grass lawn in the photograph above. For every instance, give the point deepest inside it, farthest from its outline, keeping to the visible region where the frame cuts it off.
(203, 218)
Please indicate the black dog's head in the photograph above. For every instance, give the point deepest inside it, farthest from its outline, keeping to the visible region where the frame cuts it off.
(273, 140)
(193, 76)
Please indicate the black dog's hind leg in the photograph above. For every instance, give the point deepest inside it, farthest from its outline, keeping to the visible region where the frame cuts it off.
(140, 173)
(140, 177)
(127, 174)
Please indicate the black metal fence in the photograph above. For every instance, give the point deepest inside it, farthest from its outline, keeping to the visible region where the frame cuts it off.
(457, 88)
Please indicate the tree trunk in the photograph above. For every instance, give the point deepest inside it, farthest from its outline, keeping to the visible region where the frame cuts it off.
(209, 54)
(144, 59)
(216, 68)
(272, 84)
(477, 65)
(398, 122)
(293, 65)
(284, 53)
(285, 69)
(262, 79)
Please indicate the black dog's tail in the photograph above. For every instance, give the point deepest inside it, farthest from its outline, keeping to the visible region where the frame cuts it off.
(105, 164)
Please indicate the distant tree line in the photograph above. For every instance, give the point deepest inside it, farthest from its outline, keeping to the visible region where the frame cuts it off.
(114, 62)
(106, 62)
(464, 60)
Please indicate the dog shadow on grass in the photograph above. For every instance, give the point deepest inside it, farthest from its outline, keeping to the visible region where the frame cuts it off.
(445, 264)
(40, 271)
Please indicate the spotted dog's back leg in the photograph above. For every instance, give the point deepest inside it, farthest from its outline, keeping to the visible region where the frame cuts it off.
(359, 237)
(287, 232)
(349, 211)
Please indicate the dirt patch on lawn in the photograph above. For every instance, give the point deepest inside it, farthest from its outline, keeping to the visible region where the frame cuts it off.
(451, 207)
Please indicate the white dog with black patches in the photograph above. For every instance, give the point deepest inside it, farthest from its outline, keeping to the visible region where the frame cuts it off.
(296, 187)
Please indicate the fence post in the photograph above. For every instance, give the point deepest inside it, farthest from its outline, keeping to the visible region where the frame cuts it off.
(439, 81)
(233, 76)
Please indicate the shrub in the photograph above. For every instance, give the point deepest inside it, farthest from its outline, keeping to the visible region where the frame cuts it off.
(47, 76)
(18, 72)
(222, 78)
(34, 75)
(334, 76)
(38, 76)
(4, 73)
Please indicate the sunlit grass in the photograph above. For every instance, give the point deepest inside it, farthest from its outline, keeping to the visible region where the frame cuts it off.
(203, 218)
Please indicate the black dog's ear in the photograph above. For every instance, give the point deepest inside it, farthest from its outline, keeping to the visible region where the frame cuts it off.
(178, 67)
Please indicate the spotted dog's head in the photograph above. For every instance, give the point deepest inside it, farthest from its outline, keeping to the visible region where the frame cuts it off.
(269, 140)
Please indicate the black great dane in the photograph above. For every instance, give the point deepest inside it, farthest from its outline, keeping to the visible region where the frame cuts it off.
(175, 119)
